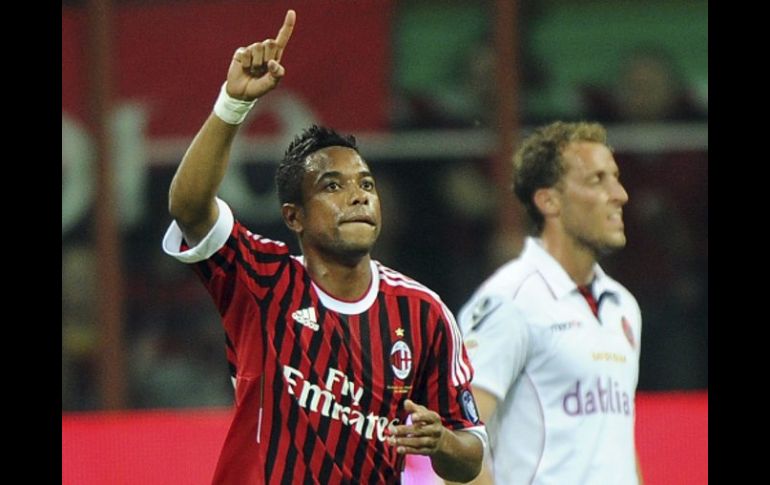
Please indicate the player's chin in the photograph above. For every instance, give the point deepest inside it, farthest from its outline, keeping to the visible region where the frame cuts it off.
(613, 242)
(361, 238)
(358, 245)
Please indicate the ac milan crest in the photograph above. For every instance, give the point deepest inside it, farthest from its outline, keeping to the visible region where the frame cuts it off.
(401, 359)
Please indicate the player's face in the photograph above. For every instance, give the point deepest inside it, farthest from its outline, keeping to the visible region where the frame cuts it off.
(592, 198)
(341, 207)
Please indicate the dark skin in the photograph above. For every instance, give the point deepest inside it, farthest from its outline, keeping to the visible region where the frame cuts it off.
(338, 221)
(337, 224)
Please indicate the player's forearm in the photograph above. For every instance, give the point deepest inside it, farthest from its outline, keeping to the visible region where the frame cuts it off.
(192, 191)
(485, 477)
(459, 457)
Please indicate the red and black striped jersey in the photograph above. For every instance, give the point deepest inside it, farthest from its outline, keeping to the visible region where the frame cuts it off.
(319, 380)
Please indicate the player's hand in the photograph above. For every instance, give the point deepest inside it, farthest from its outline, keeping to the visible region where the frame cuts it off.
(255, 70)
(423, 436)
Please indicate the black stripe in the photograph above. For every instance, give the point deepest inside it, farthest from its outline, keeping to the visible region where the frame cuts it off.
(203, 270)
(345, 431)
(260, 256)
(265, 281)
(387, 394)
(427, 362)
(278, 334)
(443, 376)
(233, 369)
(323, 429)
(326, 469)
(229, 342)
(309, 479)
(222, 262)
(294, 413)
(290, 459)
(425, 336)
(295, 360)
(366, 400)
(282, 334)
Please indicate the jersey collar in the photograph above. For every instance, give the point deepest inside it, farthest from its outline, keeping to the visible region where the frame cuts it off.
(348, 307)
(554, 274)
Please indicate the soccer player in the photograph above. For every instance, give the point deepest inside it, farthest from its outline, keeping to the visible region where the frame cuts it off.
(553, 339)
(342, 366)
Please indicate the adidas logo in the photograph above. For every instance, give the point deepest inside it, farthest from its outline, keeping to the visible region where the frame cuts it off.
(306, 317)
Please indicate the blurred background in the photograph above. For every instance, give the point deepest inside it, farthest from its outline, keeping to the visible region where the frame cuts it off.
(438, 93)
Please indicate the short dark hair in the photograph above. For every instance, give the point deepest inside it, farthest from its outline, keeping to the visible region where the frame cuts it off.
(538, 163)
(288, 176)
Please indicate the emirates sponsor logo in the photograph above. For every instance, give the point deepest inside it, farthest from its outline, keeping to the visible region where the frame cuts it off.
(324, 399)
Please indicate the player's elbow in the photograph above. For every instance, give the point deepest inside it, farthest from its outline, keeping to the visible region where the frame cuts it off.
(469, 472)
(183, 209)
(464, 464)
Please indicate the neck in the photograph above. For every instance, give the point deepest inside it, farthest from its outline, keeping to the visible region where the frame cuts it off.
(576, 259)
(347, 280)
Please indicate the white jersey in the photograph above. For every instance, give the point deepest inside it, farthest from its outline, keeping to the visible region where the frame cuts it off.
(565, 380)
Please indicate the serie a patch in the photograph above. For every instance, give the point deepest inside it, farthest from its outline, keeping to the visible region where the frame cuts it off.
(468, 405)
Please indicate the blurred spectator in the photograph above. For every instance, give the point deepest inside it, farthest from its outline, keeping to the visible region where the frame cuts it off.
(666, 264)
(79, 331)
(666, 261)
(649, 87)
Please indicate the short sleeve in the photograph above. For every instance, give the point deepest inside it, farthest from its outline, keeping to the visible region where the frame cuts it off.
(496, 338)
(213, 242)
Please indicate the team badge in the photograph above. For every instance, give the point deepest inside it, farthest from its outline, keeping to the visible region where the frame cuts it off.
(401, 359)
(468, 404)
(628, 332)
(482, 309)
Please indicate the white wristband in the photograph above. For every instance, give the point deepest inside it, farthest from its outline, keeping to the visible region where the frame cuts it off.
(230, 110)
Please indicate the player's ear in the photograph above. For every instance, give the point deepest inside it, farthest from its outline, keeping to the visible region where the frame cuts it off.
(292, 217)
(547, 201)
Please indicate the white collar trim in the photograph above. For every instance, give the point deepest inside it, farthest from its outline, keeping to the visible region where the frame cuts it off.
(348, 307)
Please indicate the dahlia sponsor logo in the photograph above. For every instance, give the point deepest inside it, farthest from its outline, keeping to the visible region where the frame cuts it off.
(325, 401)
(627, 330)
(401, 359)
(560, 327)
(306, 317)
(600, 396)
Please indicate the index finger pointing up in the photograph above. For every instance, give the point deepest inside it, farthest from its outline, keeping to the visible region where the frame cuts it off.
(285, 33)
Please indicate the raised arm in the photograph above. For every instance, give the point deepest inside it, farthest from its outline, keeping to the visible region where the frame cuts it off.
(254, 71)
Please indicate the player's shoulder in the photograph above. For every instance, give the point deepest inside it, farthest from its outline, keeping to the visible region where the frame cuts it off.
(499, 293)
(396, 283)
(508, 281)
(257, 242)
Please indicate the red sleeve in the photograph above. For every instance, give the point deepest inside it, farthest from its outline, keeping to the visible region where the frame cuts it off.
(238, 277)
(245, 256)
(447, 388)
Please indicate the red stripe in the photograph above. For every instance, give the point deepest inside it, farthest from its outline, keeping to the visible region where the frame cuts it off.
(586, 292)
